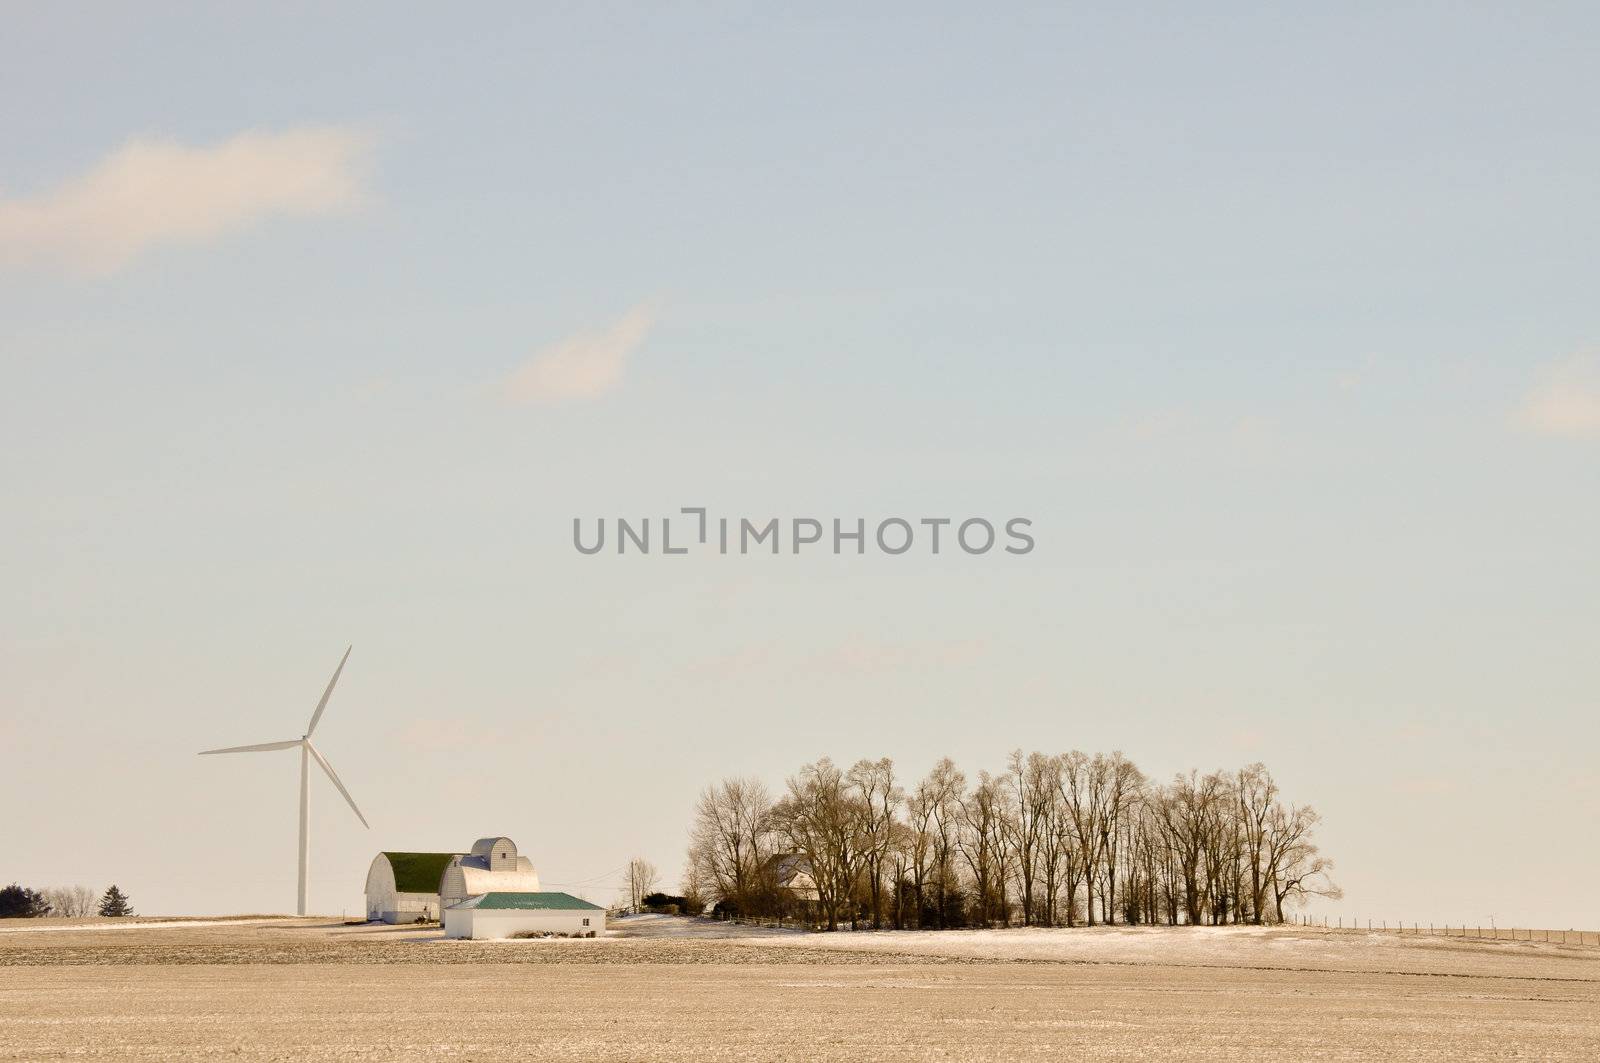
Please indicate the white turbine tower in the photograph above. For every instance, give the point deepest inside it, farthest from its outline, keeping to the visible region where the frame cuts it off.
(308, 752)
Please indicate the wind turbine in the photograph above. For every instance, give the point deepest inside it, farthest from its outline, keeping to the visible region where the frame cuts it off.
(308, 752)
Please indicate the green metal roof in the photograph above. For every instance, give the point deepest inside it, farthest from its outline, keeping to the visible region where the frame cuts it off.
(418, 872)
(560, 901)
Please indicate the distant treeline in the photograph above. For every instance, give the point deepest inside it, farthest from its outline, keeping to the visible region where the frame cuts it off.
(1051, 841)
(20, 902)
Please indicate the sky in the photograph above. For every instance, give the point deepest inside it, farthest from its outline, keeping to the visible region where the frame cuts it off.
(319, 328)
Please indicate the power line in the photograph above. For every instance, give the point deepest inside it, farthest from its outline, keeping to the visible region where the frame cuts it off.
(595, 879)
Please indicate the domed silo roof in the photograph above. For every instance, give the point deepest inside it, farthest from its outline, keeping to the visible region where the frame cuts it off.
(496, 854)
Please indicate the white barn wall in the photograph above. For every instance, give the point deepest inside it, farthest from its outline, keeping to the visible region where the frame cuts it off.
(380, 888)
(386, 903)
(461, 881)
(409, 907)
(503, 923)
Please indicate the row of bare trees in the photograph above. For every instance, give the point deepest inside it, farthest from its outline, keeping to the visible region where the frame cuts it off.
(17, 901)
(1052, 840)
(71, 900)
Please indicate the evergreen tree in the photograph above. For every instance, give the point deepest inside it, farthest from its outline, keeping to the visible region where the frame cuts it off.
(115, 903)
(19, 902)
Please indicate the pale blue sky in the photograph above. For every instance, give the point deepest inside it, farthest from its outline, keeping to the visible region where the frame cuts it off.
(1280, 325)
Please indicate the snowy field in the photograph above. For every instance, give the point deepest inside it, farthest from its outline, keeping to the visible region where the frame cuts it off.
(95, 924)
(683, 929)
(680, 989)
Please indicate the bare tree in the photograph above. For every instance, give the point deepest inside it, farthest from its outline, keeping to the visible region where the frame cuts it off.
(982, 842)
(72, 901)
(1054, 842)
(1257, 796)
(731, 841)
(697, 889)
(1032, 793)
(1120, 791)
(945, 788)
(872, 785)
(1221, 846)
(641, 881)
(904, 846)
(1144, 859)
(1296, 868)
(920, 844)
(822, 818)
(1080, 785)
(1186, 822)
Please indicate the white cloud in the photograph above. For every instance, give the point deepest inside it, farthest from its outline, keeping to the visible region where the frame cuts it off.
(581, 366)
(154, 192)
(1565, 402)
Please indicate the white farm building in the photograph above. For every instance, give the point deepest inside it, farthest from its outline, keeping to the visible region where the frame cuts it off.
(503, 915)
(493, 866)
(418, 887)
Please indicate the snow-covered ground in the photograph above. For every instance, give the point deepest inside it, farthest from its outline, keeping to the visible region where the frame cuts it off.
(686, 990)
(649, 925)
(1232, 947)
(37, 926)
(1239, 947)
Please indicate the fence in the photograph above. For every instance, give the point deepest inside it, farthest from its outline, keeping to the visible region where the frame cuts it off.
(1453, 930)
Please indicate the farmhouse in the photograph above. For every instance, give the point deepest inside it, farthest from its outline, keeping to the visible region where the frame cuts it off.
(417, 887)
(791, 873)
(503, 915)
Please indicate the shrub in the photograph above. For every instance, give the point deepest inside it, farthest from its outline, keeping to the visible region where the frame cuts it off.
(665, 903)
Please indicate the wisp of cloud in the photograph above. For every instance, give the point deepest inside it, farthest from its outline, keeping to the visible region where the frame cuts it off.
(582, 366)
(149, 193)
(1565, 402)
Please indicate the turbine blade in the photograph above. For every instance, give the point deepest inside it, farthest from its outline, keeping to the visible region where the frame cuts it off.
(262, 748)
(335, 778)
(315, 716)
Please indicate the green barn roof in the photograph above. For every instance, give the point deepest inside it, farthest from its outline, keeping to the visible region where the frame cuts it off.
(418, 872)
(547, 901)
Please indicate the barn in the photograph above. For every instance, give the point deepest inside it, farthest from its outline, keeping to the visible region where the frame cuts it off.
(404, 887)
(504, 915)
(417, 887)
(493, 866)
